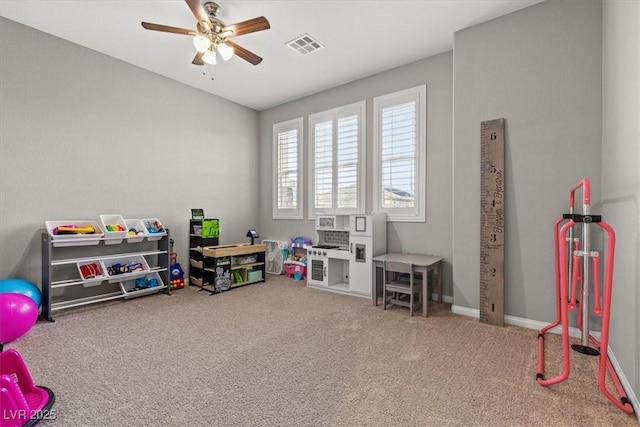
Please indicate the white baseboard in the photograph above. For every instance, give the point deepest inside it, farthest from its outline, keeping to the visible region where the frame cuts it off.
(445, 298)
(522, 322)
(573, 332)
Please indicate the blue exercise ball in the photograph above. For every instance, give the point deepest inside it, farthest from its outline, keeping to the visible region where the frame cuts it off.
(21, 286)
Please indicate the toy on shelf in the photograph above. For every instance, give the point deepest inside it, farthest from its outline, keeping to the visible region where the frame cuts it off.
(296, 264)
(90, 271)
(154, 226)
(237, 277)
(134, 232)
(119, 268)
(145, 283)
(74, 233)
(74, 229)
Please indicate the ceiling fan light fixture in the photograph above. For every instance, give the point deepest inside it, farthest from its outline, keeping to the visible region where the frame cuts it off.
(226, 51)
(201, 43)
(209, 57)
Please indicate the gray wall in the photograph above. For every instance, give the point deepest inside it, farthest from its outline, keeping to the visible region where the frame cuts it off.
(434, 236)
(83, 134)
(540, 69)
(621, 175)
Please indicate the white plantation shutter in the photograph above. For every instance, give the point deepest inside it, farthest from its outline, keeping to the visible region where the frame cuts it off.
(337, 142)
(400, 154)
(323, 165)
(347, 163)
(287, 160)
(287, 169)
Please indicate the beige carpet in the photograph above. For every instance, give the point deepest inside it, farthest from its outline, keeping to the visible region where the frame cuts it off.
(280, 354)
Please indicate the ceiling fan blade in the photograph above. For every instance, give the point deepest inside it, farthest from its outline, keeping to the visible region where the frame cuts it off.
(251, 26)
(197, 60)
(199, 13)
(168, 29)
(244, 53)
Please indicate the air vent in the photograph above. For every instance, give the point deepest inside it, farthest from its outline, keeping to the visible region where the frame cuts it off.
(304, 44)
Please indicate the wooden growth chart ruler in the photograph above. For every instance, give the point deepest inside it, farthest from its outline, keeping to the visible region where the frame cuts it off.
(492, 222)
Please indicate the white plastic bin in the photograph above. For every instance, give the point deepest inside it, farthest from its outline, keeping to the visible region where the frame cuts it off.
(155, 229)
(130, 290)
(75, 239)
(119, 269)
(140, 230)
(92, 273)
(113, 237)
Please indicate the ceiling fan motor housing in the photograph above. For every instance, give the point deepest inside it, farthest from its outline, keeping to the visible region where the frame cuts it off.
(212, 9)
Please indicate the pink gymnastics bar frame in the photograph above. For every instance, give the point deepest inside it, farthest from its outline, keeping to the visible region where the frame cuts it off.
(567, 282)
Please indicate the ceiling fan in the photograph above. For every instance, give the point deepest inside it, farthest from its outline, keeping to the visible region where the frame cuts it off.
(212, 35)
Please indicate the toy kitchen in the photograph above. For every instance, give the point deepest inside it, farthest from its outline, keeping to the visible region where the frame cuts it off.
(341, 261)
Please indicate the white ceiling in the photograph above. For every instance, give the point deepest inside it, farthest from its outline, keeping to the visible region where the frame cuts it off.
(361, 38)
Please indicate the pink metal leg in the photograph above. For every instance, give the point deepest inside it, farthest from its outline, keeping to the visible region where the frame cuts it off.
(557, 248)
(605, 364)
(564, 316)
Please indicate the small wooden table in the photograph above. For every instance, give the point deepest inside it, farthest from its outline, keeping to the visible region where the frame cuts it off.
(422, 264)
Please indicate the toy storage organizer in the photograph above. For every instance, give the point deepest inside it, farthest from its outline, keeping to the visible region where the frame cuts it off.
(202, 233)
(86, 268)
(572, 293)
(230, 266)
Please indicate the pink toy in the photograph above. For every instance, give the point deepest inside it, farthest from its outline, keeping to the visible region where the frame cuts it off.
(296, 265)
(23, 403)
(18, 314)
(296, 269)
(572, 276)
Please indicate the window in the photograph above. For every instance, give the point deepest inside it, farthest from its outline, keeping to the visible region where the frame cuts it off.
(399, 157)
(287, 169)
(336, 160)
